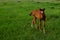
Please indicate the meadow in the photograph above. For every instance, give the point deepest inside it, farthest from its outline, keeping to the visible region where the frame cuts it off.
(15, 22)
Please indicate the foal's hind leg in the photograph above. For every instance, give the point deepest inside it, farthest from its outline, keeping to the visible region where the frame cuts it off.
(33, 22)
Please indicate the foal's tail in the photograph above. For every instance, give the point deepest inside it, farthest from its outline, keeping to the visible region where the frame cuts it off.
(30, 14)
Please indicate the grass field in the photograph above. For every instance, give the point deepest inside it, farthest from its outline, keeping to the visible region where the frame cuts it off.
(15, 22)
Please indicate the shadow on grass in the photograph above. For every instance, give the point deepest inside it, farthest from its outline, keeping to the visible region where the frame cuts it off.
(18, 1)
(5, 3)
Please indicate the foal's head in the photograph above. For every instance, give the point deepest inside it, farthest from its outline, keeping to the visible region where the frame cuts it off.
(42, 10)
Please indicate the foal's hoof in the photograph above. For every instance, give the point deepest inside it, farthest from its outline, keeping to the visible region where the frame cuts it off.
(37, 28)
(32, 26)
(44, 32)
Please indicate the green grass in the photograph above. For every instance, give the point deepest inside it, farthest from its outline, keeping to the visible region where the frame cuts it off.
(15, 22)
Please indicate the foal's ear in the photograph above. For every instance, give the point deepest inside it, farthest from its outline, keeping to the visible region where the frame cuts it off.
(40, 9)
(44, 9)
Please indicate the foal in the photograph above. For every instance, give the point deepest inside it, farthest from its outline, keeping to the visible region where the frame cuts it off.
(40, 15)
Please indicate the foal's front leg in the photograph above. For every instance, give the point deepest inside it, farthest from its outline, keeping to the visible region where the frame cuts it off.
(44, 30)
(40, 25)
(43, 26)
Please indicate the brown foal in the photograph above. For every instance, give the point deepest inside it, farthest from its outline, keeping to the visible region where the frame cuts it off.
(40, 15)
